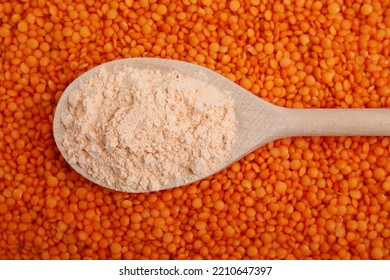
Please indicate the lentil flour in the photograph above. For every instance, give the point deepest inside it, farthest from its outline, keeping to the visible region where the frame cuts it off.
(137, 130)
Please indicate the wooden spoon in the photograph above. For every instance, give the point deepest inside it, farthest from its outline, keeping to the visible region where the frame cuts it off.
(258, 122)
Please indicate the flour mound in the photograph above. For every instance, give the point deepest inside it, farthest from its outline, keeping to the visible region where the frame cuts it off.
(137, 130)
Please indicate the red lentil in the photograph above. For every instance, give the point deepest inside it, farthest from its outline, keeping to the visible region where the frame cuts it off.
(294, 198)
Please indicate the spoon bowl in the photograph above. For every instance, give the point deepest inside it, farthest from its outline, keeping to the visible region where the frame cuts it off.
(258, 122)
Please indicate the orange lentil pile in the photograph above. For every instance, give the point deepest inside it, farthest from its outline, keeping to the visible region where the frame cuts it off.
(295, 198)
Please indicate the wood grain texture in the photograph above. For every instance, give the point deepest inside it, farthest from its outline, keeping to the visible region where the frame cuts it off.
(337, 122)
(258, 122)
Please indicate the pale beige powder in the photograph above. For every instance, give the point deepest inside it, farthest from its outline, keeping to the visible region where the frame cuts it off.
(137, 130)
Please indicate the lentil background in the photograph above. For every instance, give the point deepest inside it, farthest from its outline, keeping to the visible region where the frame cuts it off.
(296, 198)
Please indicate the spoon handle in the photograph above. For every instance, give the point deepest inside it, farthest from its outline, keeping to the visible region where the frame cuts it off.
(337, 122)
